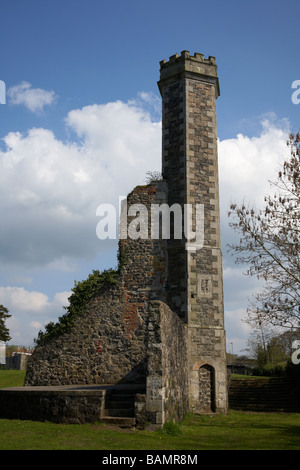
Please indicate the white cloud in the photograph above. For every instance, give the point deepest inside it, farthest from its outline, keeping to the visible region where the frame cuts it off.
(247, 164)
(33, 99)
(19, 299)
(246, 167)
(237, 330)
(120, 137)
(62, 298)
(150, 102)
(50, 189)
(36, 325)
(30, 311)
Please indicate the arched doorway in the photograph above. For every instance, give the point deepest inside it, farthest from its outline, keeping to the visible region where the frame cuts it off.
(206, 389)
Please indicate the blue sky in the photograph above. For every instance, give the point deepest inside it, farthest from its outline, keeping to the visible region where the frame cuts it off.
(78, 74)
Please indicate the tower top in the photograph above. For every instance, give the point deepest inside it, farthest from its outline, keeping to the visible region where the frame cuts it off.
(191, 66)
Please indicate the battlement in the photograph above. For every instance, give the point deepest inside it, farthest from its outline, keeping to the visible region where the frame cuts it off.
(186, 55)
(192, 66)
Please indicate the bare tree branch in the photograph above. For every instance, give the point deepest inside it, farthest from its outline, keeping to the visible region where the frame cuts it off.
(270, 246)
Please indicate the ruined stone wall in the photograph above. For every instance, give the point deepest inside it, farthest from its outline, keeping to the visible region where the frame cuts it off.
(167, 379)
(105, 345)
(127, 333)
(144, 274)
(108, 342)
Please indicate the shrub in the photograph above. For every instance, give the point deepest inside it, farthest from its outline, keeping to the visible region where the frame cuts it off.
(172, 429)
(270, 370)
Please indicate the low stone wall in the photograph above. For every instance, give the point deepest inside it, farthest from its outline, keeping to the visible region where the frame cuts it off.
(58, 406)
(265, 394)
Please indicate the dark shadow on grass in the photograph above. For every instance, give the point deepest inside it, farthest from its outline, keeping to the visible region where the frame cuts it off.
(293, 431)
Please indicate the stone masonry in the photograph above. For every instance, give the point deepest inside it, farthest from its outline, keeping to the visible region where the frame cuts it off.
(189, 87)
(162, 324)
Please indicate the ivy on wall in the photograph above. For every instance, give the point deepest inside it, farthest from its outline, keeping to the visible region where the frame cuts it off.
(82, 293)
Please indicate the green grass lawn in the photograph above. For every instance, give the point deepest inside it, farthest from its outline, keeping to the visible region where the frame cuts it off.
(11, 378)
(235, 431)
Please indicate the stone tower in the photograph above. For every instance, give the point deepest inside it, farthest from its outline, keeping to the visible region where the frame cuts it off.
(189, 88)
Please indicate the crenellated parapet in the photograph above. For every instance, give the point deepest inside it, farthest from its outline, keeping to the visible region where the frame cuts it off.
(186, 55)
(186, 65)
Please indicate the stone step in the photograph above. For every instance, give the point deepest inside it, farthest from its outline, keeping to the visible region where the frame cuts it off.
(124, 404)
(128, 397)
(122, 422)
(119, 412)
(120, 404)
